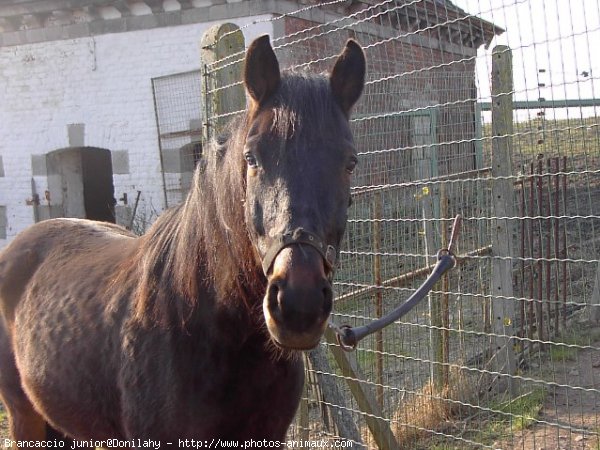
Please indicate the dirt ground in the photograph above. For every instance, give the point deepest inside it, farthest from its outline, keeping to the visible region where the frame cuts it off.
(577, 412)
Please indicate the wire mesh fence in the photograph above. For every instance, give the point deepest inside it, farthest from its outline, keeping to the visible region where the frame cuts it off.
(506, 351)
(179, 124)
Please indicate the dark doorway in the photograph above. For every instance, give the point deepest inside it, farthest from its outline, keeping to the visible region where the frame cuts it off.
(80, 182)
(98, 189)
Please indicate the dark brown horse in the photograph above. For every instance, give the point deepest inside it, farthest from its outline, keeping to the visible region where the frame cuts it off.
(192, 330)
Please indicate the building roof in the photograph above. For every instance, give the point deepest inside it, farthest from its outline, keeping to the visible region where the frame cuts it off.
(23, 21)
(447, 20)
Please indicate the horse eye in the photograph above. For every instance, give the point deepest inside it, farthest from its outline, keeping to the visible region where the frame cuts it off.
(251, 160)
(352, 165)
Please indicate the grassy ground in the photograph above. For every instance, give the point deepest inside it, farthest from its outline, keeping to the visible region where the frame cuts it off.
(3, 423)
(547, 411)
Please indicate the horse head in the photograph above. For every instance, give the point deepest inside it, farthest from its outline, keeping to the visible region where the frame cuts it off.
(298, 162)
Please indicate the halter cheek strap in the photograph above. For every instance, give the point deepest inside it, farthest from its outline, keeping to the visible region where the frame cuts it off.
(299, 236)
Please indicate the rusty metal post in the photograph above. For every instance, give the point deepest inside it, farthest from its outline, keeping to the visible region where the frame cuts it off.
(523, 223)
(564, 244)
(546, 248)
(532, 311)
(539, 253)
(445, 312)
(555, 223)
(378, 297)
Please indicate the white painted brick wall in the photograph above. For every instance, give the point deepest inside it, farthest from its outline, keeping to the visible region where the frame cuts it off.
(103, 82)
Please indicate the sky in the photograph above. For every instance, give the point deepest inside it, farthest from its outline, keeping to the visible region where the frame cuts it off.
(555, 43)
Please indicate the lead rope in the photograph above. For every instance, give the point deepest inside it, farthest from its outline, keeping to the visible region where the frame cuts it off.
(348, 337)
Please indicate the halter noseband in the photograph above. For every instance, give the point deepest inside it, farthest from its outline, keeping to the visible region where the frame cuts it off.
(296, 237)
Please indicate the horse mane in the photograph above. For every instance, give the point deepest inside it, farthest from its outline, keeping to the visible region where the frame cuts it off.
(204, 243)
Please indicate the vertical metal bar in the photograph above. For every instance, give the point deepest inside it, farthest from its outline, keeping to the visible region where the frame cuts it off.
(532, 319)
(478, 137)
(35, 201)
(445, 294)
(539, 253)
(555, 170)
(548, 246)
(304, 408)
(378, 298)
(564, 243)
(135, 207)
(523, 222)
(160, 149)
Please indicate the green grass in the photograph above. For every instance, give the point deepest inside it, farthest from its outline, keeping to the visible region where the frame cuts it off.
(3, 422)
(574, 337)
(561, 353)
(511, 415)
(523, 410)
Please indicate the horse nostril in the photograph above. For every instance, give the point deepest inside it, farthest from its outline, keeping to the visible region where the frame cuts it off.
(273, 295)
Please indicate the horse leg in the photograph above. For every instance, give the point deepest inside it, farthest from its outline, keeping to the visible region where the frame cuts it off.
(25, 422)
(29, 425)
(52, 434)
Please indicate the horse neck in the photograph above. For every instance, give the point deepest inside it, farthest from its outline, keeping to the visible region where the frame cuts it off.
(216, 200)
(199, 254)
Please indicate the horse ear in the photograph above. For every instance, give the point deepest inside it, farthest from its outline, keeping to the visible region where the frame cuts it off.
(261, 70)
(348, 76)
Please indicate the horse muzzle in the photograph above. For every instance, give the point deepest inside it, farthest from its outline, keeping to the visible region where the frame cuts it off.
(299, 295)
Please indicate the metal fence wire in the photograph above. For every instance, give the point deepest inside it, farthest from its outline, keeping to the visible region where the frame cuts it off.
(485, 109)
(179, 123)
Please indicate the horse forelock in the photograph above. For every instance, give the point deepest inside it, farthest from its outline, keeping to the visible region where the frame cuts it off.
(302, 102)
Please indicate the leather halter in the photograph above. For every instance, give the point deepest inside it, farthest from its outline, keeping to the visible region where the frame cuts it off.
(297, 237)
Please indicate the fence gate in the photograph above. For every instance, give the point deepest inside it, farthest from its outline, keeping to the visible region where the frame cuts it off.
(177, 107)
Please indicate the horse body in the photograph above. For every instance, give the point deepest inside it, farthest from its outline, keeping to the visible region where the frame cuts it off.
(185, 332)
(115, 374)
(44, 312)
